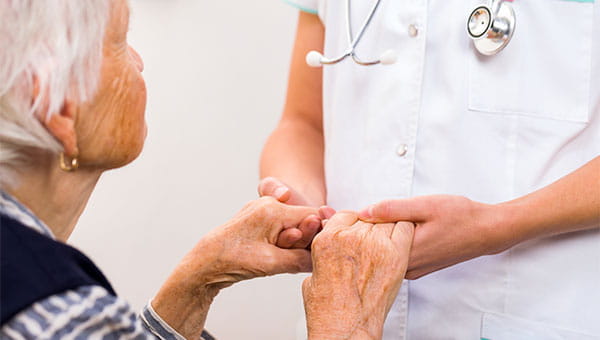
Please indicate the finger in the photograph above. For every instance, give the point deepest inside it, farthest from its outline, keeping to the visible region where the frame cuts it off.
(289, 261)
(271, 186)
(292, 216)
(309, 228)
(418, 273)
(402, 237)
(415, 209)
(275, 216)
(288, 237)
(325, 212)
(341, 219)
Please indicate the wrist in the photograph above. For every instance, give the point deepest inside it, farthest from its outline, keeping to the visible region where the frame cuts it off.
(184, 308)
(508, 225)
(365, 331)
(185, 297)
(339, 316)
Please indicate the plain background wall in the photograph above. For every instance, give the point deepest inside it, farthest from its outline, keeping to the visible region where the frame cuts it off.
(216, 73)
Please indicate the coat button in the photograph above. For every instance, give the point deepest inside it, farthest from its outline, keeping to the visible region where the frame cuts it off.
(413, 30)
(402, 150)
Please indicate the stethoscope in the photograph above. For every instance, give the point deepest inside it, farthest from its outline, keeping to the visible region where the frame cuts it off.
(491, 28)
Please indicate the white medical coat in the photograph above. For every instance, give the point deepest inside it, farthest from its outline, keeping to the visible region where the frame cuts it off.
(488, 128)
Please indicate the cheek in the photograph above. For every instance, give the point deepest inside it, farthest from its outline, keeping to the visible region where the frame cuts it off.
(133, 127)
(120, 135)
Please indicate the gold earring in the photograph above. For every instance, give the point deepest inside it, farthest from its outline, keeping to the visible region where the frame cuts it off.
(68, 166)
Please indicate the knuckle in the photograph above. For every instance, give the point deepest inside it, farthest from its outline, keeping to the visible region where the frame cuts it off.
(321, 241)
(266, 201)
(261, 206)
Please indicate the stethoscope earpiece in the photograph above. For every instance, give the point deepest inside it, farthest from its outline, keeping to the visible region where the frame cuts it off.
(313, 59)
(316, 59)
(492, 27)
(388, 57)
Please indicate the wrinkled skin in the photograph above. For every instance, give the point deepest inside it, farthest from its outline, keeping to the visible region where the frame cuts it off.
(246, 244)
(358, 268)
(241, 249)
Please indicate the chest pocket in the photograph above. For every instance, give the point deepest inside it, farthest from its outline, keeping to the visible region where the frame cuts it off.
(545, 70)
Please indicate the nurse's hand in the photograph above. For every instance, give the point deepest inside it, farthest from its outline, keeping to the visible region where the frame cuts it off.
(358, 268)
(302, 236)
(271, 186)
(449, 230)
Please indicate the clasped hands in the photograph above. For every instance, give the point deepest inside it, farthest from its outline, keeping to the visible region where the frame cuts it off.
(358, 259)
(448, 229)
(357, 267)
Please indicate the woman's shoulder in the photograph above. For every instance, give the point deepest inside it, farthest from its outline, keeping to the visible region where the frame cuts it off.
(34, 267)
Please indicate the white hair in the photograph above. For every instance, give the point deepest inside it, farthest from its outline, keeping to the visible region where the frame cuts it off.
(50, 50)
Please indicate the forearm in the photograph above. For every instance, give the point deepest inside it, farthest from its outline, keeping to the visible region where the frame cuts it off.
(569, 204)
(294, 155)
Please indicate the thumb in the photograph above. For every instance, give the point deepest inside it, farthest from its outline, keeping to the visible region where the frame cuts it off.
(415, 209)
(289, 261)
(292, 215)
(271, 186)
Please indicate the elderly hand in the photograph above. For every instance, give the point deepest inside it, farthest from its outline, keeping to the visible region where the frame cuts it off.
(302, 236)
(241, 249)
(245, 246)
(450, 230)
(357, 270)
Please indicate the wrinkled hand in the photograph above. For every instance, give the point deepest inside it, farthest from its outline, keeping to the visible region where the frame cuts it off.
(241, 249)
(302, 236)
(244, 248)
(449, 230)
(357, 270)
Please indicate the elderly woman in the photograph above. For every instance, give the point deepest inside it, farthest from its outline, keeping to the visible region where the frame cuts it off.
(72, 103)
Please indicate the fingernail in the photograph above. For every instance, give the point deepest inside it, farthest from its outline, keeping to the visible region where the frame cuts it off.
(280, 192)
(366, 213)
(325, 212)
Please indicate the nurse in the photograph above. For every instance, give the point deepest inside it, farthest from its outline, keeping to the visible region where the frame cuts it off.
(511, 250)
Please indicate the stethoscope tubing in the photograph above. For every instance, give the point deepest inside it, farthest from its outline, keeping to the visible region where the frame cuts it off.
(353, 41)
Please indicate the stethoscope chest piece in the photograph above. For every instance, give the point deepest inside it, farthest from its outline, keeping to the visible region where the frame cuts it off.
(492, 27)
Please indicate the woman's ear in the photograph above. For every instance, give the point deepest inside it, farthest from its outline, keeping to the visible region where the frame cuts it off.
(62, 126)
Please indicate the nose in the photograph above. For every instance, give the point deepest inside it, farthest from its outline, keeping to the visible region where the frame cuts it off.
(137, 59)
